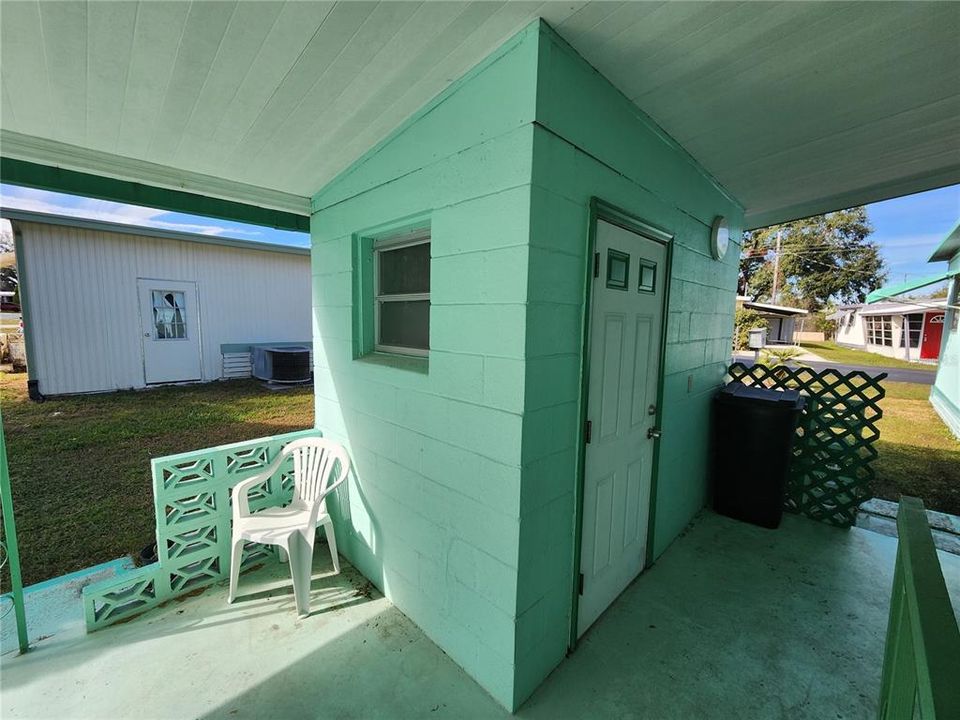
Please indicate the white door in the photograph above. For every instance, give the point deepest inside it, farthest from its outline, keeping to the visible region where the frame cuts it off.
(626, 316)
(170, 329)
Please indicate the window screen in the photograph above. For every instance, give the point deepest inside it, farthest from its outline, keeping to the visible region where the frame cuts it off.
(402, 271)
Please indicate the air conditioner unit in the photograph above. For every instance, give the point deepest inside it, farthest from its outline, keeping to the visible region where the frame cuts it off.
(290, 364)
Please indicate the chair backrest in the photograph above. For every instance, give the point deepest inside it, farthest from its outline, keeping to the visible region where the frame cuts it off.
(318, 466)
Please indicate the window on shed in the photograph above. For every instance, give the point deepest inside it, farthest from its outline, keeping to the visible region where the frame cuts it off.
(402, 293)
(168, 314)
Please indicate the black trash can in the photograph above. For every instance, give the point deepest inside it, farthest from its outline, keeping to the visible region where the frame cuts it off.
(753, 433)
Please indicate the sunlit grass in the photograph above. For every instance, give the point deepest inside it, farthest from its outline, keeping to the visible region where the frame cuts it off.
(850, 356)
(80, 466)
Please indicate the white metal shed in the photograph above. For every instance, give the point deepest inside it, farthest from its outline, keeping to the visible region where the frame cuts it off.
(109, 306)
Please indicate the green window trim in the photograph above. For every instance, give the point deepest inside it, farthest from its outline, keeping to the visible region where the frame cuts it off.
(616, 259)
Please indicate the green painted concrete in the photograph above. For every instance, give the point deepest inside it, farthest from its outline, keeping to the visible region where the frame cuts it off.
(463, 507)
(734, 621)
(945, 393)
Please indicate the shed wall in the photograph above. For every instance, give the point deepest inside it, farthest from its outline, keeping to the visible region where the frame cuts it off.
(945, 394)
(591, 141)
(85, 319)
(431, 514)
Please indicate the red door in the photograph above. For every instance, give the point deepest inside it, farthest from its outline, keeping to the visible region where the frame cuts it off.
(932, 332)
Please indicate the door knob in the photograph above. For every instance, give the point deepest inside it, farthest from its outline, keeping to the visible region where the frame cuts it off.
(653, 433)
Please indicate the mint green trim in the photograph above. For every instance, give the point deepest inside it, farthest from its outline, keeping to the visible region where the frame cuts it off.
(949, 247)
(600, 210)
(890, 291)
(139, 230)
(45, 177)
(26, 306)
(13, 549)
(227, 348)
(922, 655)
(191, 494)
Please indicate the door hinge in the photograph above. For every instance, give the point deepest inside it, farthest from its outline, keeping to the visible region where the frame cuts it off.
(580, 584)
(596, 264)
(587, 431)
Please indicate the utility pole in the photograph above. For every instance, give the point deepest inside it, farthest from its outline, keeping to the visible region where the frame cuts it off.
(776, 269)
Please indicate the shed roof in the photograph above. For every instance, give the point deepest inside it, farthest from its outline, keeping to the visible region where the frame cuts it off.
(775, 309)
(103, 226)
(795, 108)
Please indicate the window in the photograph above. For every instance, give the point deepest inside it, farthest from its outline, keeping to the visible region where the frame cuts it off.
(648, 276)
(912, 325)
(169, 319)
(880, 330)
(402, 293)
(618, 269)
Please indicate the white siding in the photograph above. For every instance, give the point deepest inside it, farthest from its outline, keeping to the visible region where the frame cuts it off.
(81, 287)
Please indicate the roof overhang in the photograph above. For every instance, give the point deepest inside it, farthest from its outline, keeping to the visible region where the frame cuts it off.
(890, 291)
(774, 309)
(794, 108)
(949, 247)
(141, 231)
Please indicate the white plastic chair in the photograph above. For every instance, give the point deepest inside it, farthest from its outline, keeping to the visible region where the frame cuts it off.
(319, 466)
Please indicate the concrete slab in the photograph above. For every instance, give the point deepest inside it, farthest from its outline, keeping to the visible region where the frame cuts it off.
(55, 606)
(733, 621)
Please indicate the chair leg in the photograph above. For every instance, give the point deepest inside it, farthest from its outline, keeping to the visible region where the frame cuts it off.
(332, 542)
(236, 555)
(301, 570)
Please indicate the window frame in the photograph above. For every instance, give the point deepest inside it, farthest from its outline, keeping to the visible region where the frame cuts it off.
(183, 314)
(419, 236)
(880, 330)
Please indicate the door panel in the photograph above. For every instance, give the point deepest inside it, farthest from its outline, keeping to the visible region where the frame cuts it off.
(626, 317)
(170, 331)
(932, 335)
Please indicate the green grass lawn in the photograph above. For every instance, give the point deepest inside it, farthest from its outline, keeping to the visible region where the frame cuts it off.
(918, 455)
(80, 466)
(850, 356)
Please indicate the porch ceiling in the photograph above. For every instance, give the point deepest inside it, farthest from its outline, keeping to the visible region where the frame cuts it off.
(794, 107)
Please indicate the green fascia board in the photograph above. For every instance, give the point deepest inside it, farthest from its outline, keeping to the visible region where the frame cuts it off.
(140, 230)
(949, 247)
(890, 291)
(72, 182)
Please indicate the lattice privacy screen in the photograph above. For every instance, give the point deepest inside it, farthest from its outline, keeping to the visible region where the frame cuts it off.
(830, 475)
(193, 511)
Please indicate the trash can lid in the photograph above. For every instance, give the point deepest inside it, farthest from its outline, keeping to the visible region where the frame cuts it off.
(736, 392)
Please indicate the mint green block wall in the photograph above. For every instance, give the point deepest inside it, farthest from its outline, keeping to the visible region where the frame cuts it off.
(462, 507)
(591, 141)
(432, 515)
(945, 393)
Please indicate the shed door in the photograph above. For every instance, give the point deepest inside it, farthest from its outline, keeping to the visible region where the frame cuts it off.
(626, 318)
(170, 330)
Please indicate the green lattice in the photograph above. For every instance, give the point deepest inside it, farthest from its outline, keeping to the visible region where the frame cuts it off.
(830, 475)
(193, 512)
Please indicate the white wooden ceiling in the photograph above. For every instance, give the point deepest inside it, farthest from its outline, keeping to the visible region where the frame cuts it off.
(792, 106)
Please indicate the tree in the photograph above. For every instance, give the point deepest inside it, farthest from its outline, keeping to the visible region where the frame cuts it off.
(823, 258)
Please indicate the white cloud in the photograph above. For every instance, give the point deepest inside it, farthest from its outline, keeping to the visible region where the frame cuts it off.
(33, 200)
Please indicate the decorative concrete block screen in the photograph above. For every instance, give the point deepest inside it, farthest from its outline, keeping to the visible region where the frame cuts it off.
(193, 513)
(830, 475)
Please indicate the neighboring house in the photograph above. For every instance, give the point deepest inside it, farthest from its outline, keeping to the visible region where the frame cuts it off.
(904, 330)
(781, 320)
(109, 306)
(945, 393)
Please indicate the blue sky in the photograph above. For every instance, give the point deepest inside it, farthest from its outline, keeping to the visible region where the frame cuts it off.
(907, 229)
(910, 228)
(60, 204)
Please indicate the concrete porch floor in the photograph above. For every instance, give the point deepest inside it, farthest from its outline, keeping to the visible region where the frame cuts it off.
(732, 621)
